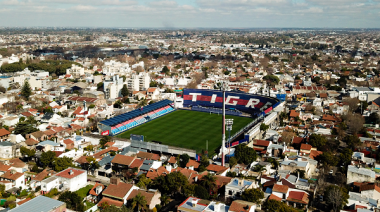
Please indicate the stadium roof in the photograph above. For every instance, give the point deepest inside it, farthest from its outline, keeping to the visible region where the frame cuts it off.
(135, 113)
(39, 204)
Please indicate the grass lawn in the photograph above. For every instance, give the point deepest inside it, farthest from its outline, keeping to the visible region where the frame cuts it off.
(83, 192)
(89, 205)
(187, 129)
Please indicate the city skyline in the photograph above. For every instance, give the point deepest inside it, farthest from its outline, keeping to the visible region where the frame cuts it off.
(191, 13)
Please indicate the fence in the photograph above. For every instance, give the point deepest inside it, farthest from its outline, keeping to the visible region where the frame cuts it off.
(93, 209)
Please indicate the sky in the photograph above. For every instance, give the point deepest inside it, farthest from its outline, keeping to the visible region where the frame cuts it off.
(191, 13)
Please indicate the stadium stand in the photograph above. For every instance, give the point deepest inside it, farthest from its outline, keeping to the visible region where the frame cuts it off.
(216, 110)
(137, 117)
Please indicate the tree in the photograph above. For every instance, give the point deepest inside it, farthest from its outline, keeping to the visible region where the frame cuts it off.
(201, 192)
(24, 128)
(73, 200)
(345, 158)
(172, 183)
(118, 104)
(92, 163)
(353, 103)
(209, 182)
(100, 86)
(105, 139)
(264, 127)
(336, 197)
(139, 202)
(327, 159)
(245, 154)
(124, 91)
(317, 140)
(374, 118)
(354, 122)
(271, 79)
(27, 152)
(203, 163)
(165, 70)
(47, 158)
(164, 200)
(183, 160)
(26, 91)
(277, 206)
(254, 195)
(352, 141)
(287, 137)
(62, 163)
(232, 161)
(260, 169)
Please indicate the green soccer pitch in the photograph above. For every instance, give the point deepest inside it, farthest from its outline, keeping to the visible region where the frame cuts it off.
(187, 129)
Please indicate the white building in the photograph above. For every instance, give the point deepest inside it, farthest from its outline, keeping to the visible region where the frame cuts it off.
(13, 179)
(237, 186)
(138, 82)
(355, 174)
(112, 88)
(112, 67)
(71, 179)
(75, 71)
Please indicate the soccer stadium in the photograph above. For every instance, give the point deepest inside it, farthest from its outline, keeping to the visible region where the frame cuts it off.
(197, 125)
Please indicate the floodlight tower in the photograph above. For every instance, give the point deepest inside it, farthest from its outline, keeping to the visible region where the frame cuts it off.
(229, 123)
(224, 122)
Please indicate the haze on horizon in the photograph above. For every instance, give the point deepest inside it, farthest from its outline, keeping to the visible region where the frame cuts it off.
(191, 13)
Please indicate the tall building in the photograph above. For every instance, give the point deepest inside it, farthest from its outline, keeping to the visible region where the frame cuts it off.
(138, 82)
(112, 87)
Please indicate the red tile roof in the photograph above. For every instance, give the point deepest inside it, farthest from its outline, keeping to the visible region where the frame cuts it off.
(280, 188)
(92, 191)
(148, 195)
(66, 173)
(172, 159)
(306, 147)
(216, 168)
(123, 159)
(298, 197)
(193, 163)
(293, 113)
(137, 163)
(4, 132)
(111, 202)
(9, 176)
(263, 143)
(117, 191)
(272, 196)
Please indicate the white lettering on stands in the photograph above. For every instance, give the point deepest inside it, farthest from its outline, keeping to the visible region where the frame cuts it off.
(213, 98)
(233, 102)
(266, 106)
(252, 103)
(194, 96)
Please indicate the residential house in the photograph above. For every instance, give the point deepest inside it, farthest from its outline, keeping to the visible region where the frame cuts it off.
(6, 150)
(216, 169)
(193, 204)
(96, 193)
(237, 186)
(4, 134)
(153, 93)
(242, 206)
(12, 179)
(152, 197)
(301, 163)
(117, 193)
(38, 136)
(122, 162)
(69, 179)
(355, 174)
